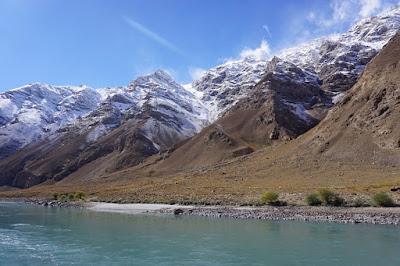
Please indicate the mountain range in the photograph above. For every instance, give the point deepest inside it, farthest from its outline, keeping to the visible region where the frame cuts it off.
(323, 104)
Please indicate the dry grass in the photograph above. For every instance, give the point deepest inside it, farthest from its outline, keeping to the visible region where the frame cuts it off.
(239, 181)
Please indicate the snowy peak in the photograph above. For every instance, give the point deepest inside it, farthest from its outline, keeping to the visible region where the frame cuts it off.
(335, 62)
(340, 59)
(377, 30)
(29, 113)
(36, 111)
(223, 86)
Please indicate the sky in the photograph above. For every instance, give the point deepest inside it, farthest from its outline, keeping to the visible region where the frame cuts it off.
(107, 43)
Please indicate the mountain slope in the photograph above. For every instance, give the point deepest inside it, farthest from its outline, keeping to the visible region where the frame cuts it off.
(152, 114)
(295, 92)
(251, 102)
(283, 105)
(337, 60)
(354, 151)
(33, 112)
(365, 125)
(340, 59)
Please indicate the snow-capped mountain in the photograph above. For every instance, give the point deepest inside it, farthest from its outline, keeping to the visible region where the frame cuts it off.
(337, 60)
(256, 101)
(221, 87)
(29, 113)
(340, 59)
(167, 106)
(128, 124)
(35, 112)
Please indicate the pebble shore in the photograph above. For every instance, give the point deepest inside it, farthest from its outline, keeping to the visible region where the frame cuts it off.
(348, 215)
(390, 216)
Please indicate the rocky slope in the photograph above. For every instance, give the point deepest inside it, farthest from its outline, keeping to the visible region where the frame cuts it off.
(337, 60)
(293, 94)
(365, 125)
(340, 59)
(150, 115)
(30, 113)
(283, 105)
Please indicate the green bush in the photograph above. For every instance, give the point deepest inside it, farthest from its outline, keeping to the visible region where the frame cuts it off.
(326, 196)
(65, 197)
(329, 198)
(270, 198)
(382, 199)
(313, 199)
(80, 195)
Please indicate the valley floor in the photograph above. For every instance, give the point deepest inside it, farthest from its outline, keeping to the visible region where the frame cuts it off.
(238, 181)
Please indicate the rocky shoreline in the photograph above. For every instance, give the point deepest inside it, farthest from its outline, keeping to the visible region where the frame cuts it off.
(388, 216)
(55, 203)
(347, 215)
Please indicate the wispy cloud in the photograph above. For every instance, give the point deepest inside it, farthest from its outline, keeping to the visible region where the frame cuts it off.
(266, 28)
(343, 12)
(368, 7)
(152, 35)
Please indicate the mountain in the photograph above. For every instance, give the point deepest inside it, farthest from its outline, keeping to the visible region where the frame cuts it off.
(222, 87)
(33, 112)
(284, 104)
(353, 151)
(295, 91)
(365, 124)
(233, 110)
(150, 115)
(340, 59)
(337, 60)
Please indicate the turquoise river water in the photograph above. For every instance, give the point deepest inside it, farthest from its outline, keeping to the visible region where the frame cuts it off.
(34, 235)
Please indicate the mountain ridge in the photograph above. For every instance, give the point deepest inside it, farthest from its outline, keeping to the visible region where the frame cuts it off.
(233, 110)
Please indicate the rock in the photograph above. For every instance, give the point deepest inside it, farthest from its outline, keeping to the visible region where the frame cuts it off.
(395, 189)
(178, 211)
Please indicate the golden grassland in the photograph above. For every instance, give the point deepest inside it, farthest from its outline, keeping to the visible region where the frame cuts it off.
(236, 181)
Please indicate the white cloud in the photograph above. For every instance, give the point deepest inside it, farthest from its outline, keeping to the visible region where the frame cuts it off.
(152, 35)
(341, 11)
(196, 72)
(259, 53)
(368, 7)
(346, 11)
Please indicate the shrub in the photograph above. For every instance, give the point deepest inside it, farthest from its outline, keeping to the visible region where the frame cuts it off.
(359, 202)
(71, 197)
(63, 198)
(270, 198)
(80, 195)
(326, 196)
(55, 196)
(338, 201)
(382, 199)
(329, 198)
(313, 199)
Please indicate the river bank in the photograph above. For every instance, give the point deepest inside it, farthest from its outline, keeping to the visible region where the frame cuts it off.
(367, 215)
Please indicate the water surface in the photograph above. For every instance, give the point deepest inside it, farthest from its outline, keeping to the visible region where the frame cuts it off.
(34, 235)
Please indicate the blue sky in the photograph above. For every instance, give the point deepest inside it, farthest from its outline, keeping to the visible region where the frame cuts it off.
(108, 43)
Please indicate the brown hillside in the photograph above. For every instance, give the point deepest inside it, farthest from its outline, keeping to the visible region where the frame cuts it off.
(354, 150)
(365, 125)
(257, 121)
